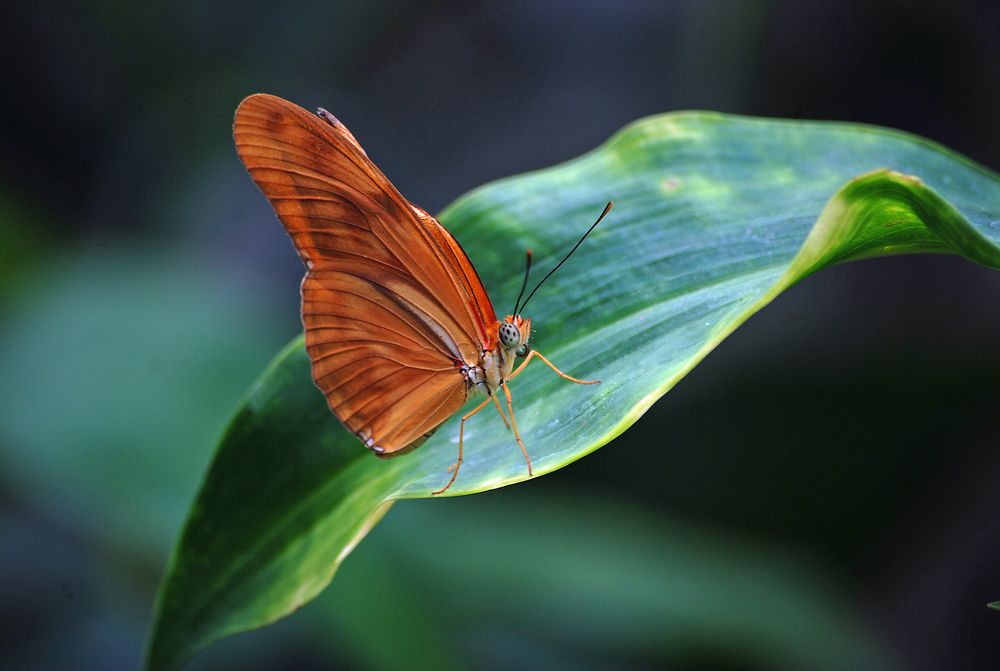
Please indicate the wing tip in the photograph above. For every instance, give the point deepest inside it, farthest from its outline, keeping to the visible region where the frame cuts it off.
(263, 104)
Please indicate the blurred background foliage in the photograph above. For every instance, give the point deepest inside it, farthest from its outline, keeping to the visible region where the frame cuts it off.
(819, 493)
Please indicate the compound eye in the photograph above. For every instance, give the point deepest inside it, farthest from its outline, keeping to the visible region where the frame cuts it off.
(509, 335)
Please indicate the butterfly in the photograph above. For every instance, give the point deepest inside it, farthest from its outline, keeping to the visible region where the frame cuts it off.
(398, 326)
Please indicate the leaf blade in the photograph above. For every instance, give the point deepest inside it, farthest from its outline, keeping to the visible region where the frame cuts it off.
(716, 216)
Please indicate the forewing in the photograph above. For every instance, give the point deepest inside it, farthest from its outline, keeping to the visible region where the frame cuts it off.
(389, 306)
(479, 302)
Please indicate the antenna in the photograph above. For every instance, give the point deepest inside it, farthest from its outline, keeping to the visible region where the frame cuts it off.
(524, 284)
(607, 208)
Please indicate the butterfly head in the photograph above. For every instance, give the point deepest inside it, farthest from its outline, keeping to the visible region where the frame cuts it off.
(515, 331)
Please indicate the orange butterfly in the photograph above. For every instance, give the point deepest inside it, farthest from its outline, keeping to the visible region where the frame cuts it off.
(398, 326)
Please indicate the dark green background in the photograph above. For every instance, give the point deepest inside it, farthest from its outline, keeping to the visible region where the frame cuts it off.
(144, 282)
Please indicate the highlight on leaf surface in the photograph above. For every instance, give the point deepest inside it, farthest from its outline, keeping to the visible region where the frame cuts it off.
(715, 216)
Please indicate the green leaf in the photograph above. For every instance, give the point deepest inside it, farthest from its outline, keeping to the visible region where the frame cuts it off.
(715, 216)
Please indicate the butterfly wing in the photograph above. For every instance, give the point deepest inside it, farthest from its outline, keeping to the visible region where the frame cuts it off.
(391, 305)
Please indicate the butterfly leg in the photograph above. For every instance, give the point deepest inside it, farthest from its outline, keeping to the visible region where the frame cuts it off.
(461, 438)
(517, 434)
(558, 372)
(496, 402)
